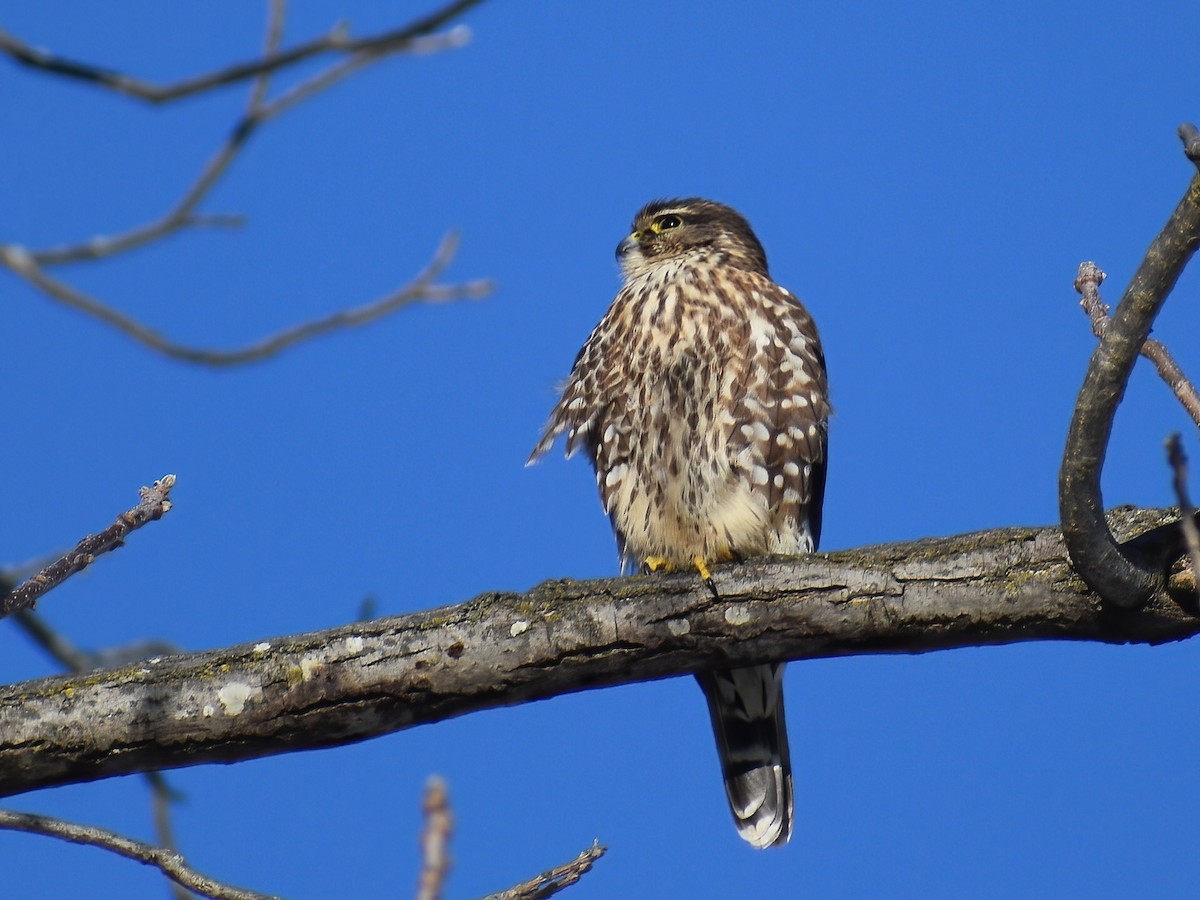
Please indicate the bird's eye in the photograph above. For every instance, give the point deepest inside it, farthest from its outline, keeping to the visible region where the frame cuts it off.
(665, 223)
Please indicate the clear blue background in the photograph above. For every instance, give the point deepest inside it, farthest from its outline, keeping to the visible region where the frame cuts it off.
(927, 176)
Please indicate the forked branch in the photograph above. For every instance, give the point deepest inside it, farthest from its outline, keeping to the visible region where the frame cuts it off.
(1120, 574)
(1088, 284)
(336, 41)
(32, 264)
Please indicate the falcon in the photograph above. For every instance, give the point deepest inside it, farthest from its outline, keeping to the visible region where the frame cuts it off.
(701, 399)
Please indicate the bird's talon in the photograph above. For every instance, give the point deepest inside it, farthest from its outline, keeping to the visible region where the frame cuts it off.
(705, 574)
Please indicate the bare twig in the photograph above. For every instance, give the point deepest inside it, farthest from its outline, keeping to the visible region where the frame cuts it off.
(420, 289)
(1120, 575)
(31, 264)
(58, 646)
(76, 659)
(154, 502)
(550, 883)
(435, 841)
(404, 38)
(171, 863)
(275, 18)
(1088, 284)
(455, 37)
(162, 795)
(183, 213)
(1178, 461)
(180, 216)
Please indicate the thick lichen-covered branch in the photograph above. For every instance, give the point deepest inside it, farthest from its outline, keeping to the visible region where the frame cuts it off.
(372, 678)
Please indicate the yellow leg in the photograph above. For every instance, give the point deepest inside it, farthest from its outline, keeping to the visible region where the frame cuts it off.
(657, 563)
(662, 564)
(702, 568)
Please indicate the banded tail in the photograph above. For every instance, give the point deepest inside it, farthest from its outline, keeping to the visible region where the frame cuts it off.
(746, 706)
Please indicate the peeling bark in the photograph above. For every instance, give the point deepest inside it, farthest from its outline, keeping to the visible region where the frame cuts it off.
(371, 678)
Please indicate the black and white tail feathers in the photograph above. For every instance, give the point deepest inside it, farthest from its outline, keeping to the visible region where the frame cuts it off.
(746, 706)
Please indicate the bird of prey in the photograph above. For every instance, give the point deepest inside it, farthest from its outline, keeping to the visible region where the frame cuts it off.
(701, 399)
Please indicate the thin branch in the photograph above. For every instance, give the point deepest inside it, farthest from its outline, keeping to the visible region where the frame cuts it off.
(1088, 285)
(171, 863)
(420, 289)
(455, 37)
(180, 216)
(56, 645)
(435, 840)
(154, 503)
(1178, 461)
(76, 659)
(12, 575)
(1121, 576)
(372, 678)
(336, 41)
(275, 18)
(183, 215)
(161, 798)
(31, 265)
(257, 112)
(550, 883)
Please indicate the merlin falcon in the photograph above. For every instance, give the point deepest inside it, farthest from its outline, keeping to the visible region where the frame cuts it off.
(701, 399)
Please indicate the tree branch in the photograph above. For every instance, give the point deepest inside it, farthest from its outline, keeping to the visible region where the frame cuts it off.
(78, 660)
(154, 503)
(337, 40)
(69, 656)
(1120, 575)
(1088, 284)
(1190, 135)
(551, 882)
(420, 290)
(435, 840)
(258, 111)
(371, 678)
(276, 14)
(56, 645)
(161, 797)
(170, 862)
(31, 265)
(1178, 462)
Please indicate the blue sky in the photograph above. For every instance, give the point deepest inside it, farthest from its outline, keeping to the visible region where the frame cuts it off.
(926, 176)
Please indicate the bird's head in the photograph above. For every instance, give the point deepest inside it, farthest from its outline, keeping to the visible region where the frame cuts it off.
(666, 230)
